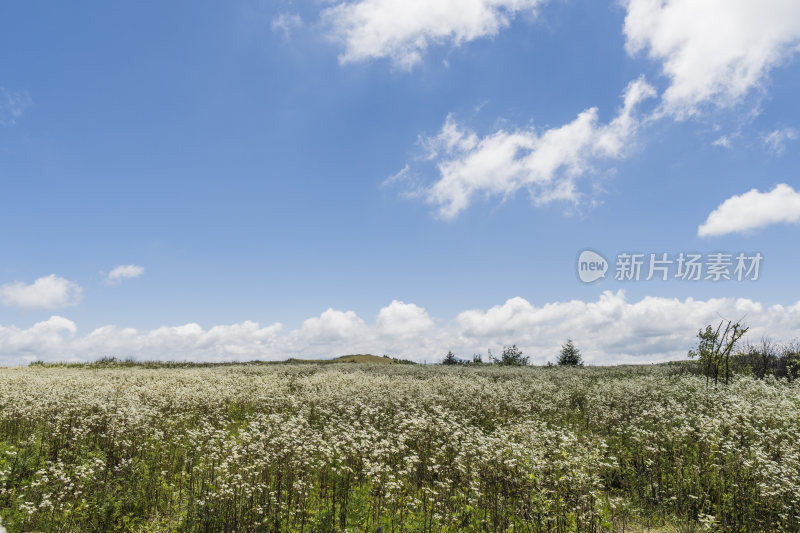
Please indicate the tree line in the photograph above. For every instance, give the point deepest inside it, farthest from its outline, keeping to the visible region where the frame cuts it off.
(569, 355)
(720, 354)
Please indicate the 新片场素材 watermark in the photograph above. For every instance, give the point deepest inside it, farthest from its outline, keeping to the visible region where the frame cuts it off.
(663, 266)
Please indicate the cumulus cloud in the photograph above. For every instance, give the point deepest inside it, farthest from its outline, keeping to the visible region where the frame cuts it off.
(244, 341)
(614, 330)
(713, 51)
(608, 330)
(775, 141)
(48, 292)
(121, 272)
(753, 210)
(286, 23)
(51, 338)
(331, 326)
(403, 320)
(547, 164)
(12, 106)
(403, 29)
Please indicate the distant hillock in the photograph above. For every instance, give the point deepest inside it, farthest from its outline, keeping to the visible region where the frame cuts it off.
(358, 358)
(115, 362)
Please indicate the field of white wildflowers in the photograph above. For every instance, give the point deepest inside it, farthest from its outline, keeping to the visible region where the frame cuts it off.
(324, 448)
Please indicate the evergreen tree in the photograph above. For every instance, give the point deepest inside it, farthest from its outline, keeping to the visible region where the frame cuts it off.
(570, 355)
(451, 359)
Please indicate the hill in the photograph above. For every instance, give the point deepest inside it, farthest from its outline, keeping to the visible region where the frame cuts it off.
(356, 358)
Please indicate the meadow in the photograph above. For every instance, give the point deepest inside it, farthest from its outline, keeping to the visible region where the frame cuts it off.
(395, 448)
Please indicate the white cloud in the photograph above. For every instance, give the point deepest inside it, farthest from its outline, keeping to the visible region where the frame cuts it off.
(331, 326)
(48, 292)
(753, 210)
(546, 164)
(12, 106)
(243, 341)
(402, 320)
(403, 29)
(723, 142)
(49, 339)
(286, 23)
(613, 330)
(121, 272)
(713, 51)
(609, 330)
(775, 141)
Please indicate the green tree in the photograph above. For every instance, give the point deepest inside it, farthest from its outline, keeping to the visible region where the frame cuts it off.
(570, 355)
(451, 359)
(512, 356)
(715, 347)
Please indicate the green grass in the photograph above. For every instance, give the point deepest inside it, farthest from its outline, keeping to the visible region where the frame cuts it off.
(357, 447)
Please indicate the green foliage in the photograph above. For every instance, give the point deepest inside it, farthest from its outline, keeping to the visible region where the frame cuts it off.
(715, 347)
(570, 355)
(512, 356)
(334, 448)
(451, 359)
(768, 359)
(399, 361)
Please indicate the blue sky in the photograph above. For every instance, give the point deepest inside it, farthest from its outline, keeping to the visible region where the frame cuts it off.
(241, 154)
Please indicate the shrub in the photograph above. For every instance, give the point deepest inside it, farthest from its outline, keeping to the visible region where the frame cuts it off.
(512, 356)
